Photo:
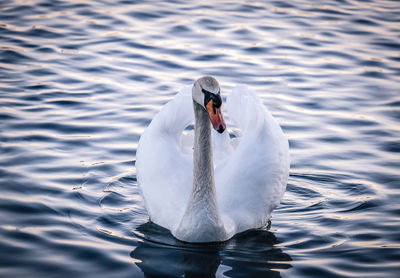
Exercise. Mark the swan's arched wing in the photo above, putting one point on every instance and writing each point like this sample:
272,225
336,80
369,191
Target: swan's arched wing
164,173
251,181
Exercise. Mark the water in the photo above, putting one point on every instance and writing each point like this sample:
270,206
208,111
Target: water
80,81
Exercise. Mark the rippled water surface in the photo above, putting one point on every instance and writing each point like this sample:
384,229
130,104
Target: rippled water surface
80,81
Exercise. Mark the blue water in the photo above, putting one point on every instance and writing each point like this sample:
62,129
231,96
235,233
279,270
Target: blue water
80,81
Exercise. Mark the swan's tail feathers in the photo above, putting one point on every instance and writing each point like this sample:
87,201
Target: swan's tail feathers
176,114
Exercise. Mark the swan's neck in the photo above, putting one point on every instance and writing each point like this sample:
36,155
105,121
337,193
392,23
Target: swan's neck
202,221
203,166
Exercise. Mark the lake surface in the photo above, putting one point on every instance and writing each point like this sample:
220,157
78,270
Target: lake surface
81,80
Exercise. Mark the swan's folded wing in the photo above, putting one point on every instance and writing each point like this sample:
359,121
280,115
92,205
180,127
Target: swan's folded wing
251,182
164,173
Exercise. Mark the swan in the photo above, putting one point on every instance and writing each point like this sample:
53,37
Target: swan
214,187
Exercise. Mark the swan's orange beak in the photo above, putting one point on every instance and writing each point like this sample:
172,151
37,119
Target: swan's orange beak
216,116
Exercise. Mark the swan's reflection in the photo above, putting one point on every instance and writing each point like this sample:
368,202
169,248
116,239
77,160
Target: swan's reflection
250,254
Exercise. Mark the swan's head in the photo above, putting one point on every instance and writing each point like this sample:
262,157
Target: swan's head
206,92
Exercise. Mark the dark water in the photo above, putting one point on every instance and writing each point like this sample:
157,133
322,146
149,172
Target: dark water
80,80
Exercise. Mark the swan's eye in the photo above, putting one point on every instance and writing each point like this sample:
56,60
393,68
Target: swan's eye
217,101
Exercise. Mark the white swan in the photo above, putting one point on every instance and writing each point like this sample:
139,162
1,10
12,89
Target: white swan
201,198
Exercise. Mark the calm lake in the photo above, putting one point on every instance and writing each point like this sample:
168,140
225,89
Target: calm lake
81,80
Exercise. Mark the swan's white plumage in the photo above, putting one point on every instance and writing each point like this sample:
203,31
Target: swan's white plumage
250,178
